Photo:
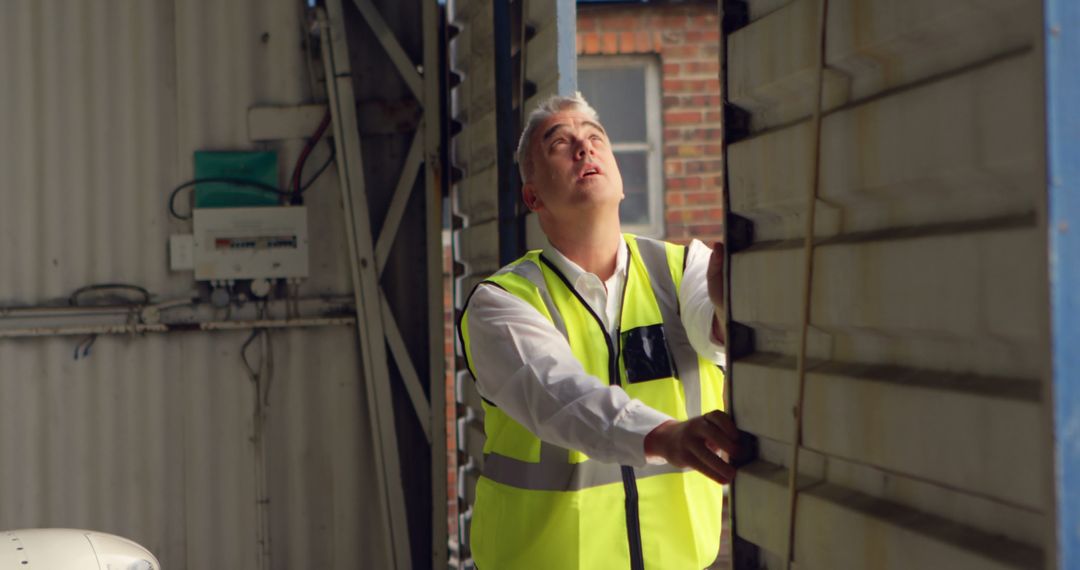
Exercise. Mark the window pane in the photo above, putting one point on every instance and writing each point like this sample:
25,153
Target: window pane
618,95
634,167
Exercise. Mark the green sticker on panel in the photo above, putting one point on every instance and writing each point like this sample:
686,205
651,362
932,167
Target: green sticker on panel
257,166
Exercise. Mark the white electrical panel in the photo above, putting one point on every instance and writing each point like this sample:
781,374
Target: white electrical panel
250,243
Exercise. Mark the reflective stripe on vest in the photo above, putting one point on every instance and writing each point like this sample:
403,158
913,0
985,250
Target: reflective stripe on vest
532,272
654,256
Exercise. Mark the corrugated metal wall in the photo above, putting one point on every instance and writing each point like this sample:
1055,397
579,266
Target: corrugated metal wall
550,68
101,107
150,438
925,438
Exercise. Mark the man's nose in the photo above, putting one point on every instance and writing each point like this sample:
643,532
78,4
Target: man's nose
584,149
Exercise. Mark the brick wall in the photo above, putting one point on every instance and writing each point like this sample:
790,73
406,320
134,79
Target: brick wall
686,38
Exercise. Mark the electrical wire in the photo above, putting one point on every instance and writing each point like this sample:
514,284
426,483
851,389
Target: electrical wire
83,348
319,172
221,180
296,185
298,170
251,184
261,377
73,300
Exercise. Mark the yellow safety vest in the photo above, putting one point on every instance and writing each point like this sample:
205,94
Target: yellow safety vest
540,506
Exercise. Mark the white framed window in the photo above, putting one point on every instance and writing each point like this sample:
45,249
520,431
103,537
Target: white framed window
625,91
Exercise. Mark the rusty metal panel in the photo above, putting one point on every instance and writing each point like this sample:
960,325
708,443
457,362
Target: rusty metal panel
926,343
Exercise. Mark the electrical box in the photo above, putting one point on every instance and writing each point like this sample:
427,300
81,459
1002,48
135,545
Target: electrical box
250,243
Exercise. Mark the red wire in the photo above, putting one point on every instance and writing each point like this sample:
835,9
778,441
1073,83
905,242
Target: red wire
310,146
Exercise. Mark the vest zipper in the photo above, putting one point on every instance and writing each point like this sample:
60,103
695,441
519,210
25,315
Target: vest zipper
633,519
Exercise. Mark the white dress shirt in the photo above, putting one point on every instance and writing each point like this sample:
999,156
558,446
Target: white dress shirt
527,368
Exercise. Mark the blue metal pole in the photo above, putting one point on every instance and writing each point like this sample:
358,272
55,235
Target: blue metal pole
1062,34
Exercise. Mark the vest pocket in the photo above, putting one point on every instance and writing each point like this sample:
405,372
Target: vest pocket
645,354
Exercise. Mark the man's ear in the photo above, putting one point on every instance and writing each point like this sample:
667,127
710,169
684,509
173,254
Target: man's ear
530,197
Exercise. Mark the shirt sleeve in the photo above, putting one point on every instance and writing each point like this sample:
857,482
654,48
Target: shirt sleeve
526,368
696,307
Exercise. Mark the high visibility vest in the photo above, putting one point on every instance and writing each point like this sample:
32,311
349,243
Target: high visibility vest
544,507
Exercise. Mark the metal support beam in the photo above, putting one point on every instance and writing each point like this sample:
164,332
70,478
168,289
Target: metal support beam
409,376
366,289
400,352
434,96
511,224
1062,38
401,198
397,54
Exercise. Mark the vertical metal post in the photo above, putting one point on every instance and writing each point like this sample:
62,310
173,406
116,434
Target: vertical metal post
369,322
511,224
566,22
433,182
510,120
1062,41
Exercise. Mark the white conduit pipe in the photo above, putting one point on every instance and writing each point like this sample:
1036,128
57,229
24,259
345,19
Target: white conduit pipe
142,328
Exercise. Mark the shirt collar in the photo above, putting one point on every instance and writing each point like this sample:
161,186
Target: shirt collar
573,272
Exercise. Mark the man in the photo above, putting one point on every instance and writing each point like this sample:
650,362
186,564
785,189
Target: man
597,361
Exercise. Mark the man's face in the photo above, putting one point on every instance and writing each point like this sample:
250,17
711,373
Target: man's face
573,167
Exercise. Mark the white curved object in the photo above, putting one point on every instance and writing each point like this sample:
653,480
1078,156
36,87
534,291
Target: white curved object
71,549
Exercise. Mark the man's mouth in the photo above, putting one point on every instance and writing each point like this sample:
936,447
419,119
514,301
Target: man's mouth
590,170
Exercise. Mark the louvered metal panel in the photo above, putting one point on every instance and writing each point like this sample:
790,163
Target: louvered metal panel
923,437
475,200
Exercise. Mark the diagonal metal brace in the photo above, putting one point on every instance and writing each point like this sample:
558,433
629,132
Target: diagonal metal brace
365,287
401,198
393,48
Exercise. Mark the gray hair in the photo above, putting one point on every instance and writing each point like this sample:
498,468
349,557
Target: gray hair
544,111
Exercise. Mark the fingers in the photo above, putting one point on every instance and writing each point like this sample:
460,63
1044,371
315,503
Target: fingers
724,422
710,465
695,443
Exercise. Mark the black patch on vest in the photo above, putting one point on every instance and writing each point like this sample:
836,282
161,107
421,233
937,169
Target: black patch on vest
645,354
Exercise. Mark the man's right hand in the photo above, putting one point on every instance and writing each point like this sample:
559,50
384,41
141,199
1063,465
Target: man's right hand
696,443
